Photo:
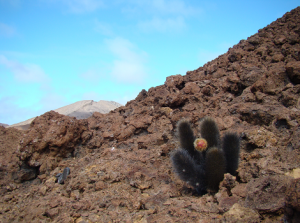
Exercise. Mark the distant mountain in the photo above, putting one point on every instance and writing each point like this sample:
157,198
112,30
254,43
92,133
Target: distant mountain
84,109
4,125
80,110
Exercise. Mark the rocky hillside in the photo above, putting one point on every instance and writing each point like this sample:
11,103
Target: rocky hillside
120,169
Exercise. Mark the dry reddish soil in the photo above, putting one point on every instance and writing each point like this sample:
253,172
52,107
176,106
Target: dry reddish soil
120,161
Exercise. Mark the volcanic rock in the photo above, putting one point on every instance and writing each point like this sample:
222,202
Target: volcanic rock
9,141
120,169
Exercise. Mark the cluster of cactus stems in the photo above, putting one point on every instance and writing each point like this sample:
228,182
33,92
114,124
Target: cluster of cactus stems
202,162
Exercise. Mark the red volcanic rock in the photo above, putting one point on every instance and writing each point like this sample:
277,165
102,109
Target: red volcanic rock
267,194
9,142
293,71
293,194
293,200
120,169
174,82
50,138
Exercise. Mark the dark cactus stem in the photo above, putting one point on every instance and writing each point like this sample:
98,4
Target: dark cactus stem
210,131
187,138
215,166
189,171
231,148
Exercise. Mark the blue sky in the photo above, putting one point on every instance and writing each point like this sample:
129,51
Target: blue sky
56,52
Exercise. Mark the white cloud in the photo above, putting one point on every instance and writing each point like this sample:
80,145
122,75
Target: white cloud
6,30
79,6
27,99
167,15
91,75
24,73
128,71
10,113
103,28
162,25
123,49
173,6
161,7
129,66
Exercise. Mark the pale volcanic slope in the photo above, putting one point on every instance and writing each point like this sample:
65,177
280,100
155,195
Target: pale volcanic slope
80,109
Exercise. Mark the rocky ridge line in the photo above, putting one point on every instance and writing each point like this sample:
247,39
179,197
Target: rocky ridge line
80,110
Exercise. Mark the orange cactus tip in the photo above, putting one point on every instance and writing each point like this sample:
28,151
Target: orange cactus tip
200,144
